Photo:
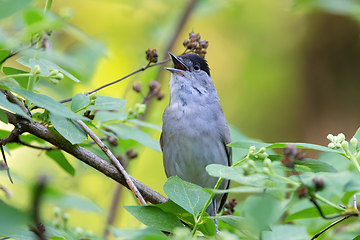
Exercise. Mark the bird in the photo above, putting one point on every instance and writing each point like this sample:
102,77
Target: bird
195,132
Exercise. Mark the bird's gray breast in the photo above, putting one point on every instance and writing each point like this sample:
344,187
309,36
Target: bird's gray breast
191,141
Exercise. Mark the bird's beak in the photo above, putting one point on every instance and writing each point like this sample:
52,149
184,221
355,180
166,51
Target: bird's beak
178,65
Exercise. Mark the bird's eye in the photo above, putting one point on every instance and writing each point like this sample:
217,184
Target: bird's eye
196,67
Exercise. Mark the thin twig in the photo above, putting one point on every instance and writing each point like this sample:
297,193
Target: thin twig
330,226
120,79
19,140
113,159
31,45
313,200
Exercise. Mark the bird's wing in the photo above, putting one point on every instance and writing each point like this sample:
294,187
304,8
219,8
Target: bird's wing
161,141
229,156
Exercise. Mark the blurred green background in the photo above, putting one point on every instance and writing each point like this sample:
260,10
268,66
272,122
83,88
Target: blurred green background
285,71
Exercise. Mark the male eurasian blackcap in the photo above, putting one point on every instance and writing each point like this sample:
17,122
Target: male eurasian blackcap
195,132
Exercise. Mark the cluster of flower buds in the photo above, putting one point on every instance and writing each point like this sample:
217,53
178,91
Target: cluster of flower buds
152,55
230,205
196,44
291,155
55,76
155,89
302,191
340,142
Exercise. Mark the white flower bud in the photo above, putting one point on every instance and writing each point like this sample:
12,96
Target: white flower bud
345,145
262,150
36,69
354,142
340,137
337,145
59,76
331,145
252,164
252,149
262,155
266,171
268,163
54,72
330,137
93,96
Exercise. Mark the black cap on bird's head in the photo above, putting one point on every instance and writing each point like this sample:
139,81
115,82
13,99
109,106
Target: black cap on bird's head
188,62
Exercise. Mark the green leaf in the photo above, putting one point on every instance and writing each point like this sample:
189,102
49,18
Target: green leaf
263,210
52,65
155,217
108,103
24,61
235,174
305,165
60,159
135,234
9,7
286,232
248,189
11,217
312,212
126,132
3,55
31,16
145,124
79,101
3,117
72,201
189,196
106,116
241,223
258,145
18,233
357,237
46,102
207,227
23,81
346,197
12,107
70,130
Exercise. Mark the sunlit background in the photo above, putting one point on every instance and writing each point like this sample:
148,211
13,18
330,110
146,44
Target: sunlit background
284,72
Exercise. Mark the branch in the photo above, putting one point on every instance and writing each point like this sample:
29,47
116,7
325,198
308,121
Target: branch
83,155
330,226
120,79
113,159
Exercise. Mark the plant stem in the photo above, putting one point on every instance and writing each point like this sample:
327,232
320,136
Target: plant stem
355,162
21,75
293,183
198,220
320,198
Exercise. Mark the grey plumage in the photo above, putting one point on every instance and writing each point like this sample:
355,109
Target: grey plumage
195,131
